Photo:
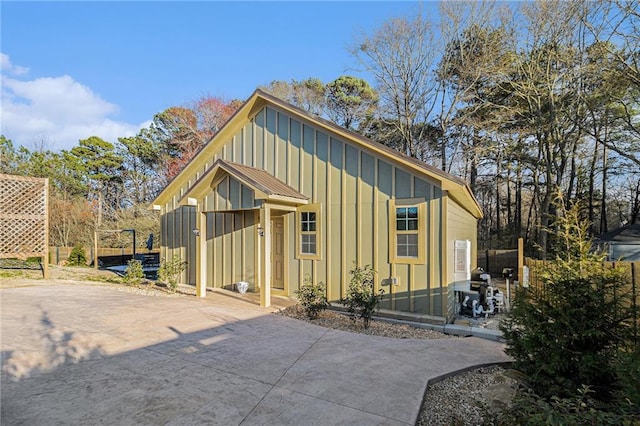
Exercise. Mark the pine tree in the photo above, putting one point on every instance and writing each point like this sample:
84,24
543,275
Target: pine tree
573,327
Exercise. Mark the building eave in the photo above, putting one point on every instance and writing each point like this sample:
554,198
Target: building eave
458,189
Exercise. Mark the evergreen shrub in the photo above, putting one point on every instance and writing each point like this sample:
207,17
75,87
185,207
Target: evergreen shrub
570,331
77,257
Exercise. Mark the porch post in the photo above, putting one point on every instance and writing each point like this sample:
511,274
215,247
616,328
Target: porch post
201,253
265,256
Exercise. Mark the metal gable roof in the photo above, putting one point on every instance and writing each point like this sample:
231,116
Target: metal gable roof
260,181
457,188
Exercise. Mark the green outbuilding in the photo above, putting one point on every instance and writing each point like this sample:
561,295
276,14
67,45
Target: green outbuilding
279,196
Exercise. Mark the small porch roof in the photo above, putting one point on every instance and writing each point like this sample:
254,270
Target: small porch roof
264,185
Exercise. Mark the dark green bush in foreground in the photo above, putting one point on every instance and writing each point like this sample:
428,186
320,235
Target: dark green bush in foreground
573,338
528,408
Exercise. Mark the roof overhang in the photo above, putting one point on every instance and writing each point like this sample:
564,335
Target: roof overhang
457,188
264,186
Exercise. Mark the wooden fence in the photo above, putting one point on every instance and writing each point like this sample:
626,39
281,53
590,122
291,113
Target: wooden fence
59,255
494,261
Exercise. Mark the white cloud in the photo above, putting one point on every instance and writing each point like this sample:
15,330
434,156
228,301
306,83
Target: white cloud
7,67
57,110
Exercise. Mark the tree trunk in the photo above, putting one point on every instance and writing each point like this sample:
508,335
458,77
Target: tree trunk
473,172
518,214
635,205
498,170
603,208
509,210
592,172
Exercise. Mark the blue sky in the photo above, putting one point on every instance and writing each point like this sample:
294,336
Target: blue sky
71,70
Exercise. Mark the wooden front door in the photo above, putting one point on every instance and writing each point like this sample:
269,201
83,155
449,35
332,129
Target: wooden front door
277,253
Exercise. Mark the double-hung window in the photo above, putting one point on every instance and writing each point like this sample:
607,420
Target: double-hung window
309,231
407,231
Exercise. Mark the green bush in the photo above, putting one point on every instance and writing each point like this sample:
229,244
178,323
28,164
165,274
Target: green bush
571,330
312,297
628,385
133,274
527,408
170,271
362,301
77,257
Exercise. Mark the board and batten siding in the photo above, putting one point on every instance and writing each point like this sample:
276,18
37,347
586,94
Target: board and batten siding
353,187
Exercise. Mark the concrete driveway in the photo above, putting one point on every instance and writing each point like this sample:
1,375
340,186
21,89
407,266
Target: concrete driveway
74,354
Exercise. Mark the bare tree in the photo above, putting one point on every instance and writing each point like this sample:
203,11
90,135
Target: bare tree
401,55
473,55
614,26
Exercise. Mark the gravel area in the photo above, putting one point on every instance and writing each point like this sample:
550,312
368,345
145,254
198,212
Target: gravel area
460,399
150,289
88,276
340,321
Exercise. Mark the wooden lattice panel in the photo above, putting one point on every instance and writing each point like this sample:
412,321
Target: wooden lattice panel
23,217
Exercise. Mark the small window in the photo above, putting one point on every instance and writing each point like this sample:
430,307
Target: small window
309,231
308,221
407,245
407,218
406,236
308,242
